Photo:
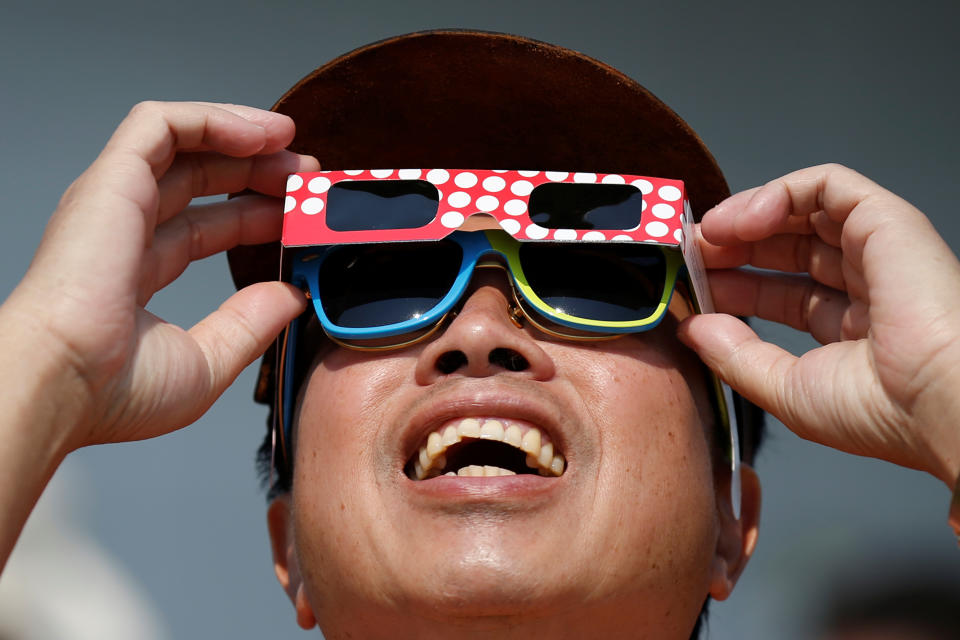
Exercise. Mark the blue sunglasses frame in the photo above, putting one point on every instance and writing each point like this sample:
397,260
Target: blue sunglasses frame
476,247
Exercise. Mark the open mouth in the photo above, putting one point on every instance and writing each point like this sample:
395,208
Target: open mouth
485,447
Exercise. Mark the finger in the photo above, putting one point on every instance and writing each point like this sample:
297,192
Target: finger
719,224
759,213
754,368
279,130
243,327
202,174
118,196
829,231
203,230
716,225
155,131
797,302
788,252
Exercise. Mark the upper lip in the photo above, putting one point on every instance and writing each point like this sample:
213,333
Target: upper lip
474,399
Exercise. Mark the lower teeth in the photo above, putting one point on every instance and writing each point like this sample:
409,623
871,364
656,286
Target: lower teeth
477,471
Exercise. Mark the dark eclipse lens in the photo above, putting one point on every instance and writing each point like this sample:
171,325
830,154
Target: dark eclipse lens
365,205
612,282
586,206
381,284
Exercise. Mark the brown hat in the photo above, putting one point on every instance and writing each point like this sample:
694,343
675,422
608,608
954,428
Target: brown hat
468,99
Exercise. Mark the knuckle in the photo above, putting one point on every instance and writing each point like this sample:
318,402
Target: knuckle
834,167
146,108
194,238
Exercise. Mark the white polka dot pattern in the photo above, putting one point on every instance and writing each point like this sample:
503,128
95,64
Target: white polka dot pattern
494,184
656,229
437,176
294,182
451,219
502,194
459,199
536,232
312,206
465,180
521,188
664,211
669,193
487,203
511,226
515,207
319,184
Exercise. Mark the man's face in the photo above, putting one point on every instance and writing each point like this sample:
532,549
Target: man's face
626,540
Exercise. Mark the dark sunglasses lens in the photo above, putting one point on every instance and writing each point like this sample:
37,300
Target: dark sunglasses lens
376,285
612,282
365,205
586,206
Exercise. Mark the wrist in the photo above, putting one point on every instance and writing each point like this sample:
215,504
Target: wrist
39,408
44,393
936,426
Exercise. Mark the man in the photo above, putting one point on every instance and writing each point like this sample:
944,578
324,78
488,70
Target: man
638,526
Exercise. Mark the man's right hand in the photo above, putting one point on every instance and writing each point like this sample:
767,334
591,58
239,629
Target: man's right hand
84,361
122,232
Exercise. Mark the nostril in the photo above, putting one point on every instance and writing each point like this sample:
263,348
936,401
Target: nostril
450,361
508,359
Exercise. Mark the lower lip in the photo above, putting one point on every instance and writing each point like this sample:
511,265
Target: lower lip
460,488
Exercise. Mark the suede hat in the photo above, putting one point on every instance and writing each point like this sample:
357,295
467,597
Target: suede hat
468,99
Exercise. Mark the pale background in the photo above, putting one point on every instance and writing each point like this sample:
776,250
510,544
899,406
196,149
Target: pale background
770,87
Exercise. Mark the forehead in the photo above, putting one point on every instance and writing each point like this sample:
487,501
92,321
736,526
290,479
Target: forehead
450,196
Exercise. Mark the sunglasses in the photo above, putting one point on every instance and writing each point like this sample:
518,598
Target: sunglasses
386,255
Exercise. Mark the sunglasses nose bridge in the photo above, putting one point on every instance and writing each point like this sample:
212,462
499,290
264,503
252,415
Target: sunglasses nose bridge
487,260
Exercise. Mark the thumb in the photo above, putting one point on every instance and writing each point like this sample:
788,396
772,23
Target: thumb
752,367
243,327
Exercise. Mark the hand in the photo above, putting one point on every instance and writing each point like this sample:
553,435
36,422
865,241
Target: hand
122,232
880,289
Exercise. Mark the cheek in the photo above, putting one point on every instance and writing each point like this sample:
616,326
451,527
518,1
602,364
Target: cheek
334,486
655,506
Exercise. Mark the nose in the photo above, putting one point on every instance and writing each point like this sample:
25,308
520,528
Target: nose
483,339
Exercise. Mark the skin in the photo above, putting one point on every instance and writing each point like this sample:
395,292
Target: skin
880,290
379,552
85,364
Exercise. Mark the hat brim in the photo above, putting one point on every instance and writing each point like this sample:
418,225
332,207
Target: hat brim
469,99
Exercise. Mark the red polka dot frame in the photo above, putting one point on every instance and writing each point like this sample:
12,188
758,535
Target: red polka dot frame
504,195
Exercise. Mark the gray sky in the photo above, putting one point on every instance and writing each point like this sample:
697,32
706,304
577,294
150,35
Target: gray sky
769,87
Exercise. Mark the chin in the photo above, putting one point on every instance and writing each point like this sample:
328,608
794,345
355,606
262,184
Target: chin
487,602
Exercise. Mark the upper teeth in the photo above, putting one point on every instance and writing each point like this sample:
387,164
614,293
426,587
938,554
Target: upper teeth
540,456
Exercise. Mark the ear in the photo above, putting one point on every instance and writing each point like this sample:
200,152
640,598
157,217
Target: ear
737,538
285,563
